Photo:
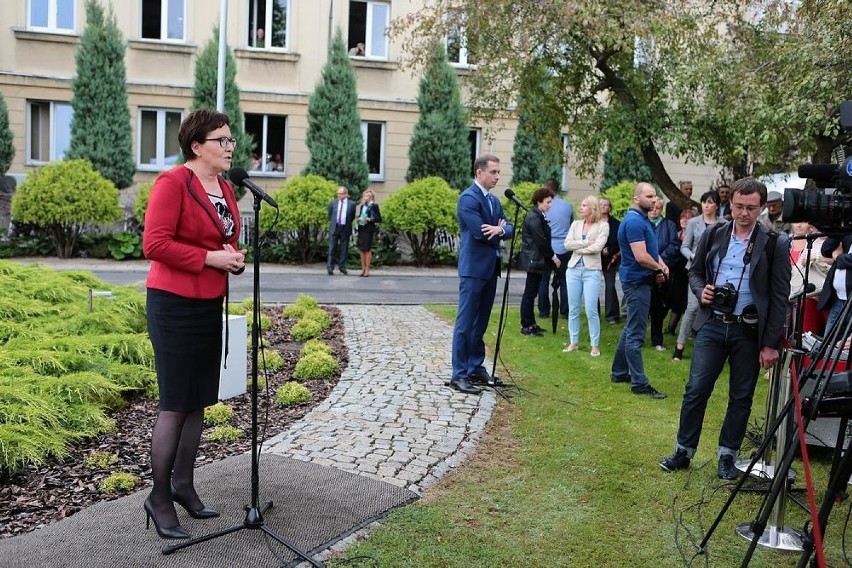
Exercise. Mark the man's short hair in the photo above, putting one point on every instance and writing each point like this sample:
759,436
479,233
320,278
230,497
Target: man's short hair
481,162
684,182
749,185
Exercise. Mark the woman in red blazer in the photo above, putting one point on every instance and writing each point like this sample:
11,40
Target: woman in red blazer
191,229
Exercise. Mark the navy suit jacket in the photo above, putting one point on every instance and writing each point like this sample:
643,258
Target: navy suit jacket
478,254
346,229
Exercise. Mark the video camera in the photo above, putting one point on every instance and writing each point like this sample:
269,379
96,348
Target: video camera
829,212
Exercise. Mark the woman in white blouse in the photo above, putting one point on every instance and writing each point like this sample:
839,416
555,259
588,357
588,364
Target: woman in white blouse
586,238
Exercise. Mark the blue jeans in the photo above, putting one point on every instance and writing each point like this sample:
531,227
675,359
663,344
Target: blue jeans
716,343
584,285
834,313
627,363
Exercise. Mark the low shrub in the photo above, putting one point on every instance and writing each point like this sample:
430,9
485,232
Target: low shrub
292,393
306,329
219,413
272,360
294,311
315,366
307,301
316,346
119,482
261,383
318,315
100,460
224,433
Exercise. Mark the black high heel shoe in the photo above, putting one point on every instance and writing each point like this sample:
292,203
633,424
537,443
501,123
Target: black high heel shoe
202,513
175,532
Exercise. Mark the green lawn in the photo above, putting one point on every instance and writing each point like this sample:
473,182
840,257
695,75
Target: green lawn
567,475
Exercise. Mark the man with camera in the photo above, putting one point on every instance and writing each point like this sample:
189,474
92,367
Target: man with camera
741,276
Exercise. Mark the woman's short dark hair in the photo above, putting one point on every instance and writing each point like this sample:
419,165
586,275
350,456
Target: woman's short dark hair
541,194
195,128
711,195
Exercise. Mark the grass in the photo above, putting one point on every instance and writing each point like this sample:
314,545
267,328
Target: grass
567,475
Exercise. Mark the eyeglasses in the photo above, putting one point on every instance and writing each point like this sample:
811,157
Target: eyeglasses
752,209
223,141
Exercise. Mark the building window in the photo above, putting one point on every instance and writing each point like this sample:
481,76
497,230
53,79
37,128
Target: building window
457,48
368,24
48,130
269,133
158,138
267,27
564,182
52,15
164,19
374,148
474,138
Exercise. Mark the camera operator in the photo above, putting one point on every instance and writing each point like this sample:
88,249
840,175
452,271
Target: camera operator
741,275
838,281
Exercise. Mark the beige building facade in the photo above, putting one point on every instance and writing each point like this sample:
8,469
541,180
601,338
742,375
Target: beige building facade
280,47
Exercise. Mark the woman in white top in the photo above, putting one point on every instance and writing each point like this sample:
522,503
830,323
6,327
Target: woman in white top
586,238
695,227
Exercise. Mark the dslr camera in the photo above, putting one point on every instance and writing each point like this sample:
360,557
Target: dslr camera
725,298
830,208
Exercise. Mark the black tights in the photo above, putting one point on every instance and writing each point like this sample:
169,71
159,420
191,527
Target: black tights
174,445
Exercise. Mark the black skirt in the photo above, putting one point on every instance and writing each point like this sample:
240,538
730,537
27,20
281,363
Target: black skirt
365,237
186,334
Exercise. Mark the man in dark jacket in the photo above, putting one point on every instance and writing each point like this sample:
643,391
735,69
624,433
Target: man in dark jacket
744,326
341,213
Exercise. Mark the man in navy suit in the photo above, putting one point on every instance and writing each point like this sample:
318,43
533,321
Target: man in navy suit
482,226
341,214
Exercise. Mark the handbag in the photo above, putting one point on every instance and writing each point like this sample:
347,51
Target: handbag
816,276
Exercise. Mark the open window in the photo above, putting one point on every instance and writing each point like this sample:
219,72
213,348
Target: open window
368,25
267,24
164,19
269,132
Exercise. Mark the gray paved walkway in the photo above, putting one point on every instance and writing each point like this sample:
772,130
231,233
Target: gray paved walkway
390,416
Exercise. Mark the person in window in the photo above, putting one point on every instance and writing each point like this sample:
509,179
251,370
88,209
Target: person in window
192,226
255,162
358,50
368,217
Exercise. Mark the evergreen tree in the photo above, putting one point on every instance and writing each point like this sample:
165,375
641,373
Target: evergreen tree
532,161
7,147
334,137
622,165
100,127
204,96
439,145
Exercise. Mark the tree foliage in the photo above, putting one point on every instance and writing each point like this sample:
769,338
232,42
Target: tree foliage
100,126
418,211
621,165
7,146
532,161
523,191
697,81
204,96
439,144
65,198
620,197
304,211
334,136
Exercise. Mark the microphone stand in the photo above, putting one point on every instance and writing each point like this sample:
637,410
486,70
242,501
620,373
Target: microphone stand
494,382
254,516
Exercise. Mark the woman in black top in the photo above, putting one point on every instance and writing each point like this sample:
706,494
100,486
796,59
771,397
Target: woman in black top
368,216
537,256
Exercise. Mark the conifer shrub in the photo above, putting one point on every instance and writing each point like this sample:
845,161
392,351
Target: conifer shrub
219,413
272,360
306,329
119,482
224,433
316,346
292,393
315,365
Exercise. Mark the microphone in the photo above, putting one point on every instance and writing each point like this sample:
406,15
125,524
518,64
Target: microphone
818,172
240,177
510,195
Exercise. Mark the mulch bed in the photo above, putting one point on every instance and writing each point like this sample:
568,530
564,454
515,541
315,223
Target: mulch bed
38,495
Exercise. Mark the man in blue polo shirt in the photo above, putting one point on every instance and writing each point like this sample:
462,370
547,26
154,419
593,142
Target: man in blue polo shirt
641,268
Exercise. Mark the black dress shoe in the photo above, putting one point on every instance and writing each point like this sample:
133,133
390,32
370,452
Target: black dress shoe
175,532
727,469
480,378
330,271
343,270
202,513
463,385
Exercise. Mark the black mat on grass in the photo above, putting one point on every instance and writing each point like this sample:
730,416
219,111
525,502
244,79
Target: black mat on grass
314,507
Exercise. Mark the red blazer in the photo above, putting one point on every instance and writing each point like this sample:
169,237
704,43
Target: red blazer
181,225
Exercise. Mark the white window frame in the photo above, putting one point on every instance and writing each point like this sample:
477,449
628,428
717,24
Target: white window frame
477,150
52,129
262,143
371,50
52,12
459,34
160,147
380,175
267,30
164,21
564,184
